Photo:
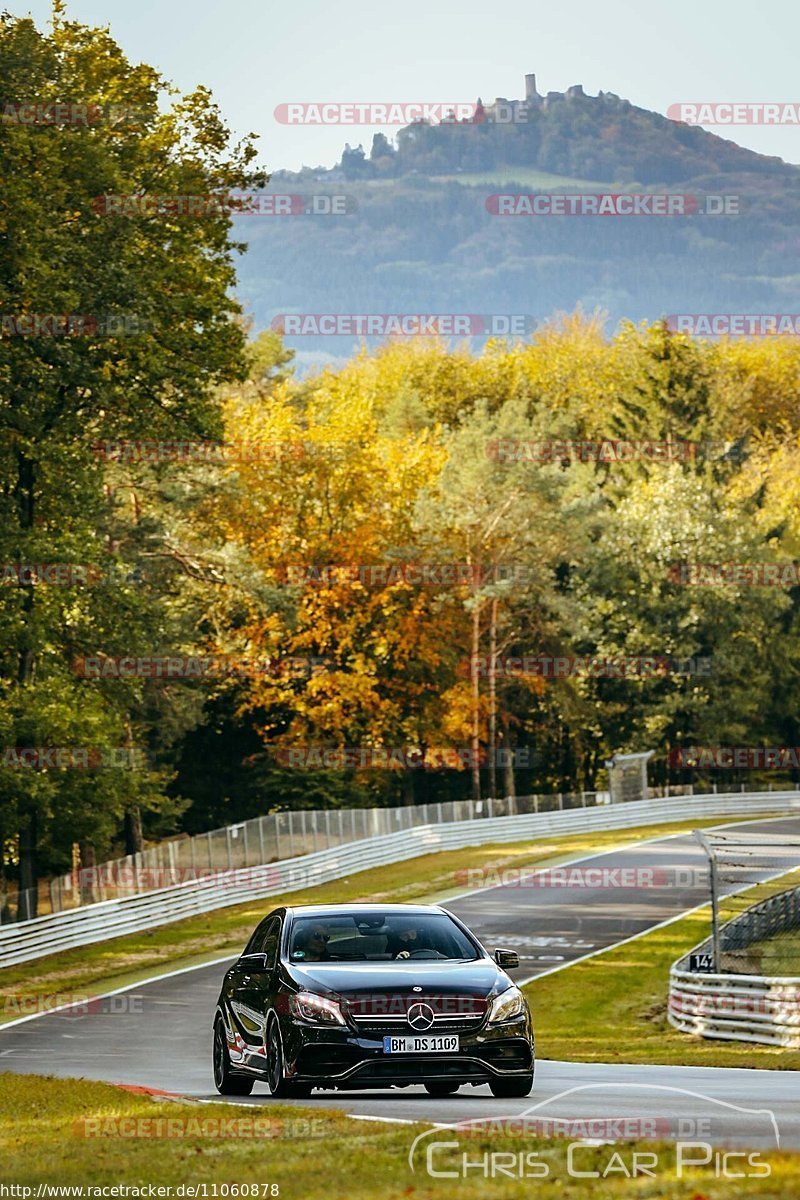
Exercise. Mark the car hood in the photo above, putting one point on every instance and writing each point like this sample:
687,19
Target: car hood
479,978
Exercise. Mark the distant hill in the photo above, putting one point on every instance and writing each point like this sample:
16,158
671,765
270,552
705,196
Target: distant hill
601,138
423,237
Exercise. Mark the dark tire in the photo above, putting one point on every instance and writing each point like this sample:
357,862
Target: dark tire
226,1083
508,1088
440,1090
279,1087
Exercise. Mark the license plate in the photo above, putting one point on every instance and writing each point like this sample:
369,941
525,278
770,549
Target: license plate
423,1044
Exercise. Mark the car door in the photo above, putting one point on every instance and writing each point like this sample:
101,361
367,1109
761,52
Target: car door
253,984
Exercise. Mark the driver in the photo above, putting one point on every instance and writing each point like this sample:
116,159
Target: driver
405,939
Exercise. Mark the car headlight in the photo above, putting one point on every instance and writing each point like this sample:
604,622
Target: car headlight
319,1010
506,1006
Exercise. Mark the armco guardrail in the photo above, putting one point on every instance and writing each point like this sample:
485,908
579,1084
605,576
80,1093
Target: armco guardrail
270,838
113,918
741,1008
732,1005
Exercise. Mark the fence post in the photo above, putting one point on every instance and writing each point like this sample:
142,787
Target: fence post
712,862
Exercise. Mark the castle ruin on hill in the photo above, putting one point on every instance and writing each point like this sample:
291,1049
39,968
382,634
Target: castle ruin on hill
508,111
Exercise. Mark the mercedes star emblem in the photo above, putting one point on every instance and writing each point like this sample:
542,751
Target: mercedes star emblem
420,1016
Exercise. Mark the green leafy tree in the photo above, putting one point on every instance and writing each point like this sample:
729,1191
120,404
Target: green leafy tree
151,333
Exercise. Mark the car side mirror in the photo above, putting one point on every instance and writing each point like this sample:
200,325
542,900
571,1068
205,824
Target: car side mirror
506,958
254,962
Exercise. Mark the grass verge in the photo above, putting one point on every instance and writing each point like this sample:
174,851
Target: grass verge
612,1008
778,955
127,960
136,1141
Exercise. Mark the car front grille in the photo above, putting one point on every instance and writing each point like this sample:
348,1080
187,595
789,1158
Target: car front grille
442,1023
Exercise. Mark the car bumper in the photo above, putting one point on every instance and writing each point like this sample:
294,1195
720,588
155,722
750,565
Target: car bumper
341,1058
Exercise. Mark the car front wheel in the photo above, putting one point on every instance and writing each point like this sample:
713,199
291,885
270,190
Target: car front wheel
515,1086
279,1087
226,1083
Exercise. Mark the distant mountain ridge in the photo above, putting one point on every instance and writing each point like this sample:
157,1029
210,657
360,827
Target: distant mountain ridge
421,234
601,137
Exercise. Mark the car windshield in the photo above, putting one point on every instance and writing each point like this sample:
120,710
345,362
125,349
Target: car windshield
379,937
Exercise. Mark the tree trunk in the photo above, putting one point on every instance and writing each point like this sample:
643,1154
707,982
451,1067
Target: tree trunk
88,872
28,834
5,912
133,830
133,816
28,906
509,779
493,699
408,786
475,746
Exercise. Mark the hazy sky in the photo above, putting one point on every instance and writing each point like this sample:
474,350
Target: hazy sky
256,54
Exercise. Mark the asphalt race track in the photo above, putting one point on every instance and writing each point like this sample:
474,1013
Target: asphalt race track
158,1035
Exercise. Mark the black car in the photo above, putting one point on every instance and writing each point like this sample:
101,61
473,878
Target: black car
370,996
